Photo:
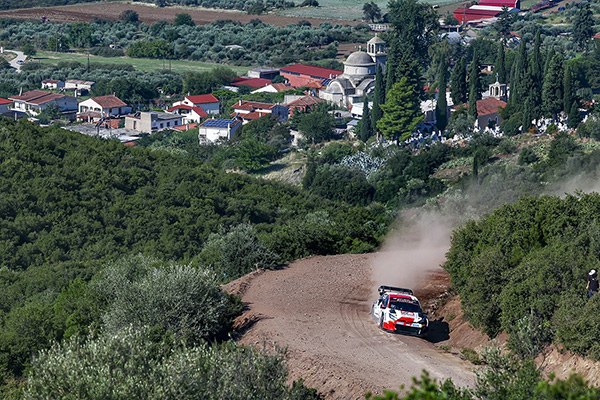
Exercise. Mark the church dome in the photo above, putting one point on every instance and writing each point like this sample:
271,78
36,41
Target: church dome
359,58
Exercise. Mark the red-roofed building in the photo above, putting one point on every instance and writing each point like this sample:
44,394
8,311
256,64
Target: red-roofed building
5,106
186,127
34,101
253,83
487,111
274,88
190,114
299,75
303,104
250,110
208,102
95,108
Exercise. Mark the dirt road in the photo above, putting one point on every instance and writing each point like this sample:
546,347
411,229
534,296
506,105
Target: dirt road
318,308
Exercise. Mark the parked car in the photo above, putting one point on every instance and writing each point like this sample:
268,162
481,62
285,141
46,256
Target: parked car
20,62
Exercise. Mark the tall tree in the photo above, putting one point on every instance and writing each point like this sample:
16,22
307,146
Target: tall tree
458,82
401,112
415,24
474,85
500,65
574,116
503,24
441,106
536,79
568,97
371,11
378,98
583,25
552,94
365,123
520,76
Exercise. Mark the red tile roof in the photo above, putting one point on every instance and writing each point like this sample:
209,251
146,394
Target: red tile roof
305,101
186,127
179,107
252,105
485,106
37,97
251,115
110,101
4,101
281,87
202,99
252,82
50,81
316,72
200,111
596,36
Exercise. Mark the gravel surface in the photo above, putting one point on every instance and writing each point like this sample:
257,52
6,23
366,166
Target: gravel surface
318,309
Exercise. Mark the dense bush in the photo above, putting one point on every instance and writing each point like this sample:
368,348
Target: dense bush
73,204
529,260
129,364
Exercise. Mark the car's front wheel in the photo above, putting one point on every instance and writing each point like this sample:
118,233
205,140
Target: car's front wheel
381,321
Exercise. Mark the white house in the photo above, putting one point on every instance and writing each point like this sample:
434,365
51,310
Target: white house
102,106
52,84
190,114
150,122
74,84
208,102
34,101
251,110
213,129
4,106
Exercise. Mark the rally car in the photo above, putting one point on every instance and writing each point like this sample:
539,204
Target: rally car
398,310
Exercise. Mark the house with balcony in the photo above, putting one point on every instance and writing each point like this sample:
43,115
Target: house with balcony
35,101
95,108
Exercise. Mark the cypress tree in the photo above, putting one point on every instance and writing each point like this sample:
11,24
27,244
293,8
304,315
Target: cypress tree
583,25
474,85
390,70
441,106
500,66
458,82
378,98
552,92
568,97
574,116
535,80
365,123
520,81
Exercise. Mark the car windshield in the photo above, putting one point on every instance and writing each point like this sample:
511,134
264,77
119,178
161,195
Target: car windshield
404,306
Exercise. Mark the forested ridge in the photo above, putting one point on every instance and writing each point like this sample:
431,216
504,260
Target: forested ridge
72,205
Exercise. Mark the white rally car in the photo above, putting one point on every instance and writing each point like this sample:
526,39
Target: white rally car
398,310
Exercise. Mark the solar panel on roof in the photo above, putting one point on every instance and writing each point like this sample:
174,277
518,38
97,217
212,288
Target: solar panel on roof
218,123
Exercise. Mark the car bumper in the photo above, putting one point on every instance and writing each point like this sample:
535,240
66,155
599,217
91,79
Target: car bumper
410,329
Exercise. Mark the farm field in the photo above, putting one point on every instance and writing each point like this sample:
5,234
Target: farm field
150,14
347,9
141,64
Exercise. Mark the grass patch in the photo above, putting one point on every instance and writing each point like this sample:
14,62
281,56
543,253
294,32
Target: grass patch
451,317
141,64
446,348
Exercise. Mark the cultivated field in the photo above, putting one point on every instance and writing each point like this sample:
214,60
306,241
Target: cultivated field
150,14
347,9
141,64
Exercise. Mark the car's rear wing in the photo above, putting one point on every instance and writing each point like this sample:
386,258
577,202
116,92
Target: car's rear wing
384,289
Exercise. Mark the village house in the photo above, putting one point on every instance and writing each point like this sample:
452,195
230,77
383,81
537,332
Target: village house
208,102
5,106
301,103
74,84
34,101
251,110
299,75
274,88
212,130
488,108
95,108
252,83
263,72
52,84
190,114
151,122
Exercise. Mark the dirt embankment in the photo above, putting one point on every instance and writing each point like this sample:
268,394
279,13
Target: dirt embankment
150,14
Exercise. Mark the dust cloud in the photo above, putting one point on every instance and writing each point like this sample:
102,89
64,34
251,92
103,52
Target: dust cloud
421,237
416,248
